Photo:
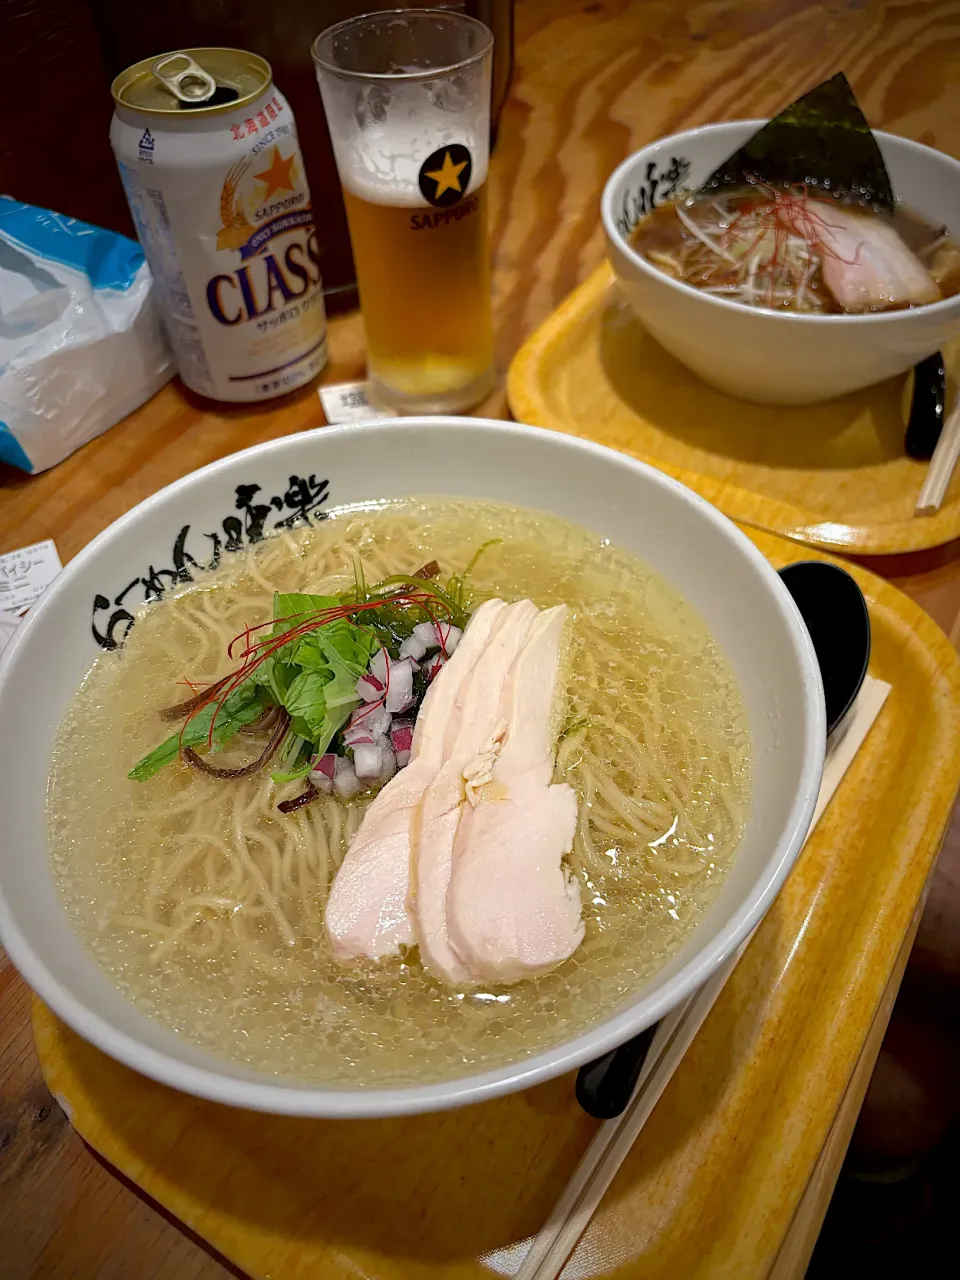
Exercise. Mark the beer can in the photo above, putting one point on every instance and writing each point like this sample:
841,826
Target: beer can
209,158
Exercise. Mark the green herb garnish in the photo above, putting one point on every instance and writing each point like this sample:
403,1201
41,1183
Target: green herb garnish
307,663
457,586
242,707
313,677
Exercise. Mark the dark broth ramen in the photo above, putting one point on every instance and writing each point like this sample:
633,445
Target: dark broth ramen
782,248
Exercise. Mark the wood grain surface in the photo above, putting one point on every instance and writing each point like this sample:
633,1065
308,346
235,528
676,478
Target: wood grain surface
593,81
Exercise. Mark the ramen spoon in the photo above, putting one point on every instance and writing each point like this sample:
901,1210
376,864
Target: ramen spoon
835,614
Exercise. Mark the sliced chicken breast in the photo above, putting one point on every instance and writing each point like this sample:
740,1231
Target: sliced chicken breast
367,913
473,732
513,909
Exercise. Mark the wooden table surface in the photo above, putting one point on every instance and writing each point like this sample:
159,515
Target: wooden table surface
593,81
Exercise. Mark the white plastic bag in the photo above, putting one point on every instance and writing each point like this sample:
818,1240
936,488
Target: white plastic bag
80,339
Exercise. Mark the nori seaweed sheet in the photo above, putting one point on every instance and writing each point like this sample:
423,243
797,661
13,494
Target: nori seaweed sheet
821,140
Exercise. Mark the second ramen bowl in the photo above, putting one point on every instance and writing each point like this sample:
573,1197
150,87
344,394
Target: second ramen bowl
774,357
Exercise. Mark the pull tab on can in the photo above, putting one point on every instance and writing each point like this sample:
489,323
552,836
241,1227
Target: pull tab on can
184,78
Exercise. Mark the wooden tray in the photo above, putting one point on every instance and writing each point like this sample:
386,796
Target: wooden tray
712,1185
834,475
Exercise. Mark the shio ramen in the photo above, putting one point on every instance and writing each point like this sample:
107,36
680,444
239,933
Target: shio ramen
420,789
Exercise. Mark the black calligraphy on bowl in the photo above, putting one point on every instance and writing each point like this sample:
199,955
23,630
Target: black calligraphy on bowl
658,186
254,518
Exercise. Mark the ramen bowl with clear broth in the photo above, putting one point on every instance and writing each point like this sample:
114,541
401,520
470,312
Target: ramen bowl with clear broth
184,922
765,355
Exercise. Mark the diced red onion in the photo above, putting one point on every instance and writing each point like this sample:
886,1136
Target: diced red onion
345,781
401,736
367,760
372,718
432,668
326,765
437,635
413,647
369,687
403,759
378,666
426,633
388,764
357,737
400,690
321,775
449,637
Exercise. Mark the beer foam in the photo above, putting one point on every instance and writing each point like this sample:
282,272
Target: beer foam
387,169
381,139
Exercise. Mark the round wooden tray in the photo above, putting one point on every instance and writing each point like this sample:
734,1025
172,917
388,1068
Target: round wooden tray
831,475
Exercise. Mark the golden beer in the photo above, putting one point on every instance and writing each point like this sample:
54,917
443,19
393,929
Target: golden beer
424,280
407,98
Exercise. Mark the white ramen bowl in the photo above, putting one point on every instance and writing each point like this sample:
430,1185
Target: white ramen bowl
774,357
682,537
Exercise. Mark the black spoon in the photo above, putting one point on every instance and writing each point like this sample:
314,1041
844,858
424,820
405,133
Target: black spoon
927,407
835,613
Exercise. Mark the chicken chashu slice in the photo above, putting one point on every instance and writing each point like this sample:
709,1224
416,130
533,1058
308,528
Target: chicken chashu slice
864,261
367,913
513,908
473,724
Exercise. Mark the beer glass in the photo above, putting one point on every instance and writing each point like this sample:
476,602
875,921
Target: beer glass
407,97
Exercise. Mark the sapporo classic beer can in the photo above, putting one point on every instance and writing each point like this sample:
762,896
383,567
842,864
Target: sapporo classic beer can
209,159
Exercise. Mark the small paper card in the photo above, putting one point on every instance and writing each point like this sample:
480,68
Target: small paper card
349,402
25,575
